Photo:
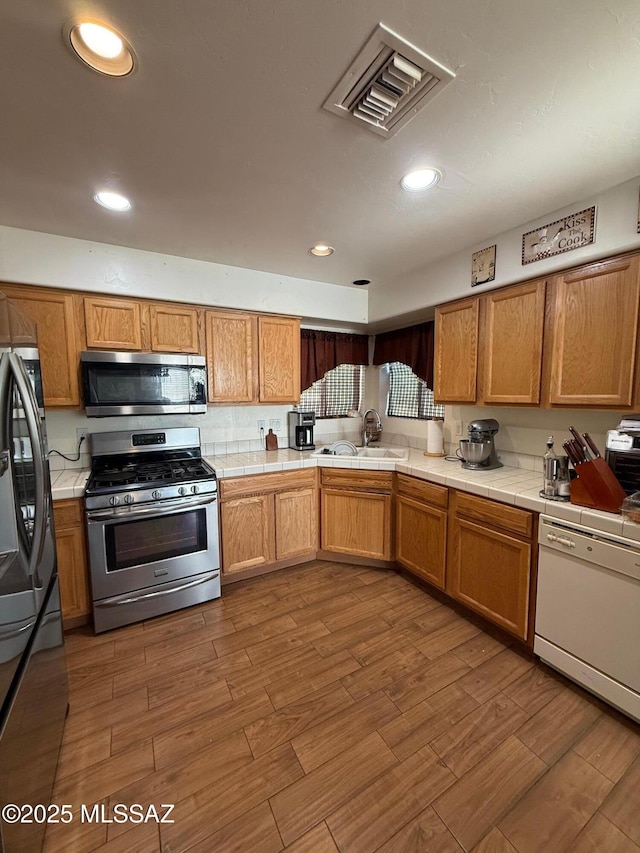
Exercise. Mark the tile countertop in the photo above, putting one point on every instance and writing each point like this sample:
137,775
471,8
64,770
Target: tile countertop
517,486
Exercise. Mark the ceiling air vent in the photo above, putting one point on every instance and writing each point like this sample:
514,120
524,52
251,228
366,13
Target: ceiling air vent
387,83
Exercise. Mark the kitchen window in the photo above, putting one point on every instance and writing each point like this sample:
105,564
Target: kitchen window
336,394
410,396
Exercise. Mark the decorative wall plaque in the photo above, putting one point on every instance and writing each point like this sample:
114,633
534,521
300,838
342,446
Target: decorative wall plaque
483,266
563,235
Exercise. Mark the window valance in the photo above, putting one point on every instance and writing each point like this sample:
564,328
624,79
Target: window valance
412,346
322,351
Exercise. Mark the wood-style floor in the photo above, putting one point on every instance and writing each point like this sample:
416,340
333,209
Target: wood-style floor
333,707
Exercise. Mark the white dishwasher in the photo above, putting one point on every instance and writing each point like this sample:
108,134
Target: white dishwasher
588,610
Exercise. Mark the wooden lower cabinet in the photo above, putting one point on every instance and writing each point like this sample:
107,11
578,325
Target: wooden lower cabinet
247,533
268,518
357,523
489,569
421,528
296,521
421,539
73,570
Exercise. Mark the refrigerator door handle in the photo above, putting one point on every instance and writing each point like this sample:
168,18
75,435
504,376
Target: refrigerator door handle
4,461
41,513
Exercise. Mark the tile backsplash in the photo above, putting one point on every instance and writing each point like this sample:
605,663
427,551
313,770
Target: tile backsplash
521,441
223,429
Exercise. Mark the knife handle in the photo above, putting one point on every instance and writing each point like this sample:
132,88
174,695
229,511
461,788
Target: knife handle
592,445
580,444
571,453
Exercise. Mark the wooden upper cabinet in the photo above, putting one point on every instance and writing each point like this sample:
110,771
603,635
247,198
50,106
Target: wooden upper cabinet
512,332
594,320
456,352
58,340
279,359
173,328
112,323
230,356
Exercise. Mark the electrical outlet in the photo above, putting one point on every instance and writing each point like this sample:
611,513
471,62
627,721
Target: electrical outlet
261,425
275,424
80,434
458,427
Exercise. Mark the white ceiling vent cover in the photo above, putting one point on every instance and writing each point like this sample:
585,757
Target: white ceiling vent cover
387,83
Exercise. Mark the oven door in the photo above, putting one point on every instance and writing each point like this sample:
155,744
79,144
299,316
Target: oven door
136,548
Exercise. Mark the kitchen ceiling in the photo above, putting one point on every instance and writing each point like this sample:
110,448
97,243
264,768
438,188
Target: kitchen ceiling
221,143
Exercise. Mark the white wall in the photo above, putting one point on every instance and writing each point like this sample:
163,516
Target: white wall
450,278
31,257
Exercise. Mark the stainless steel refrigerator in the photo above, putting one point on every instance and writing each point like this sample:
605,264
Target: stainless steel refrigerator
33,680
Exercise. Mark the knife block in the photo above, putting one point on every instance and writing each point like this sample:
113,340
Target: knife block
597,487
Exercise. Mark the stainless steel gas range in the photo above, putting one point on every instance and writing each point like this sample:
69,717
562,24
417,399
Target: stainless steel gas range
152,522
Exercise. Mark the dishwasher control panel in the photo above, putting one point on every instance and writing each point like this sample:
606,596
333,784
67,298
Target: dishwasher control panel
615,552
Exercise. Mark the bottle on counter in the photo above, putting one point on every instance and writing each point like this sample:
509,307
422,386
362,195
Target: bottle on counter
550,470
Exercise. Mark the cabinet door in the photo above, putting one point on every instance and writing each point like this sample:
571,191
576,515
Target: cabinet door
421,537
230,357
247,533
296,523
173,329
72,562
489,572
456,352
112,323
58,341
279,359
356,523
595,312
512,343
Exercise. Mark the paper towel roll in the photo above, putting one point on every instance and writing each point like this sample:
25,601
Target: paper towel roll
435,437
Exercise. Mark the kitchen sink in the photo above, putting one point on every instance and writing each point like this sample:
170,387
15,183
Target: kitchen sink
366,453
383,453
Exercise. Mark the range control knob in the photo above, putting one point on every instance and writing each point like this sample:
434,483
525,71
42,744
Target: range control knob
194,490
114,501
182,490
156,494
128,499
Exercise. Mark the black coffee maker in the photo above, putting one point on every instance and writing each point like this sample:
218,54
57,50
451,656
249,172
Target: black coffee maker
301,430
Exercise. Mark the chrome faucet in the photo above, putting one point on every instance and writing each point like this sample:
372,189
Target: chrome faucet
371,427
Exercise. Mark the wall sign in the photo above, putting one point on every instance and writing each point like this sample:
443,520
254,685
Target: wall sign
483,266
563,235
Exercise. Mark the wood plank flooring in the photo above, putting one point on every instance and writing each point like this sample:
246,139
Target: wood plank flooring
334,708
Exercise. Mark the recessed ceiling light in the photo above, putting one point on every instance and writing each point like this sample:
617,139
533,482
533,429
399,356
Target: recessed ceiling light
422,179
101,47
113,201
361,281
321,250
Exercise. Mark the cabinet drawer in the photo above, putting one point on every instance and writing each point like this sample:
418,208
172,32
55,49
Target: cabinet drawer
237,487
496,514
423,491
67,513
352,478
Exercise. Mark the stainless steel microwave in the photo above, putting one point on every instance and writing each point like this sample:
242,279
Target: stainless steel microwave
132,383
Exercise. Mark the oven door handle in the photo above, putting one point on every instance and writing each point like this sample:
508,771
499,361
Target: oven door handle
99,515
118,600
